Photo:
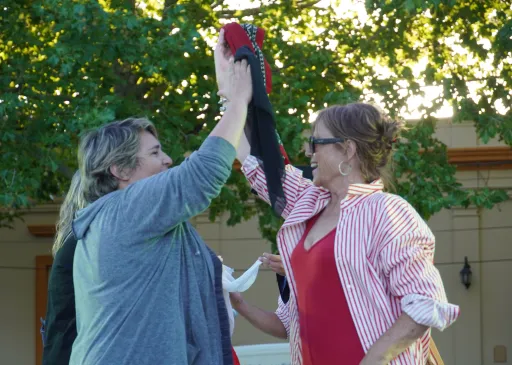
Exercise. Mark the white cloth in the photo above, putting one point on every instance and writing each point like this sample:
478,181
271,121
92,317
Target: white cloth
231,285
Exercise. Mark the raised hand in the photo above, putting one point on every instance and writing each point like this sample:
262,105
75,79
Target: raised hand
221,55
236,85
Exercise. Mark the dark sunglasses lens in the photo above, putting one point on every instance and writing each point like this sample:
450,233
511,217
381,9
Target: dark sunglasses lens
311,145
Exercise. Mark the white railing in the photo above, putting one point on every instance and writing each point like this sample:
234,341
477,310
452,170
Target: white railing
265,354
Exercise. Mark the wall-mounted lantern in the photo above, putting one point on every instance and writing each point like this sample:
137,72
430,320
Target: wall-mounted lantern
466,274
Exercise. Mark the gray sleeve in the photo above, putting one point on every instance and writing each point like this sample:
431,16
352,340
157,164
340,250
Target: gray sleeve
157,204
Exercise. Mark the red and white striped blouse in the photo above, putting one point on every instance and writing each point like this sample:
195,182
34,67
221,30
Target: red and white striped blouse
384,255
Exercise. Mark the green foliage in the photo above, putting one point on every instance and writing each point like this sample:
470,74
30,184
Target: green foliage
67,66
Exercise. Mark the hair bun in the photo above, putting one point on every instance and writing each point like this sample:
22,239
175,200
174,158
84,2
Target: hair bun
372,131
390,130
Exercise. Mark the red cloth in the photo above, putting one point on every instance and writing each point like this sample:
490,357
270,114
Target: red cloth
285,155
327,330
235,358
236,37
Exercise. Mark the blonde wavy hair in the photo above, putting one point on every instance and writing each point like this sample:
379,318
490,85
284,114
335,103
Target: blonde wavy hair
114,144
73,202
373,132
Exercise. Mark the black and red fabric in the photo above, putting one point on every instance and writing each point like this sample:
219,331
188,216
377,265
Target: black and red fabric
283,151
261,133
245,42
236,361
239,35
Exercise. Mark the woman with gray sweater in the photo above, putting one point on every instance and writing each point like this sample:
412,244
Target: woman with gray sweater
146,287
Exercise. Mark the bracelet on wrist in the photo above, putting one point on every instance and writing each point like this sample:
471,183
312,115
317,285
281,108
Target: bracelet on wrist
223,101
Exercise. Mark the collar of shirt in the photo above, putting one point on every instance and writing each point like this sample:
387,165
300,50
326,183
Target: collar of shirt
361,189
357,192
321,198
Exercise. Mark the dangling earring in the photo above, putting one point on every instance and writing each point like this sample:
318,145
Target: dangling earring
348,170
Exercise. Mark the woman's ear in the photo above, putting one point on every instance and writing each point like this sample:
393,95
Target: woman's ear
119,174
350,149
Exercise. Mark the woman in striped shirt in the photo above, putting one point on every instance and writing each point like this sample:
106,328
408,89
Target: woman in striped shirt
359,261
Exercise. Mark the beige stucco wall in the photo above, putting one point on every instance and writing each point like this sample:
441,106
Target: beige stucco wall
484,236
486,317
239,246
18,250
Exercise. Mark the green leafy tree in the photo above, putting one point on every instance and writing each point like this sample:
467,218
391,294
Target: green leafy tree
67,66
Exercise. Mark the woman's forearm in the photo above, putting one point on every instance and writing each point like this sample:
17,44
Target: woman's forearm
265,321
244,149
404,332
231,125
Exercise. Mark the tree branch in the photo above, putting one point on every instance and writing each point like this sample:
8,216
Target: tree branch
226,13
167,5
125,4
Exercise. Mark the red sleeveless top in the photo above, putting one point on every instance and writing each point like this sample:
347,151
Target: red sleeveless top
327,331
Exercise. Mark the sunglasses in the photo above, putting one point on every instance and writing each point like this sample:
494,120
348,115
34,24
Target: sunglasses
314,141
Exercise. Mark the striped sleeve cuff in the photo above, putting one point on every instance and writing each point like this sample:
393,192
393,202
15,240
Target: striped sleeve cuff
249,165
293,185
430,312
256,177
283,314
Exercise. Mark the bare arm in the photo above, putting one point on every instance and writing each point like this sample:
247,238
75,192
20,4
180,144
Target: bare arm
265,321
232,123
244,149
394,341
235,85
237,89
